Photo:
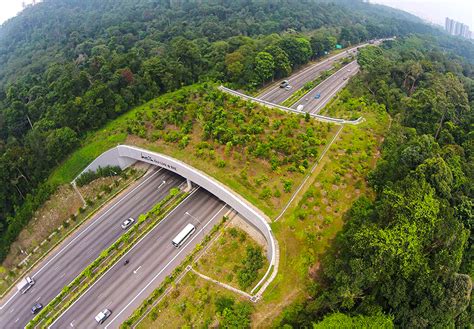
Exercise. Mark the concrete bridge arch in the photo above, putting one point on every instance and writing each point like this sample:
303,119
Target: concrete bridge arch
124,156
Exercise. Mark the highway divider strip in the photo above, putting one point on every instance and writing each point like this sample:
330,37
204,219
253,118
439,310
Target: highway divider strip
300,93
73,229
86,278
137,315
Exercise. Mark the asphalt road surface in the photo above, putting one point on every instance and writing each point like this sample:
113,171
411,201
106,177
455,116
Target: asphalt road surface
278,95
85,245
327,89
123,288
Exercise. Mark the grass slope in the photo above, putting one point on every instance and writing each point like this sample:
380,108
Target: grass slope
260,153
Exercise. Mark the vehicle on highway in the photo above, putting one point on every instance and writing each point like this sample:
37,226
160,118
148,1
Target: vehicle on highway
348,70
126,262
300,107
127,223
317,96
288,87
36,308
102,316
345,78
284,83
25,284
183,235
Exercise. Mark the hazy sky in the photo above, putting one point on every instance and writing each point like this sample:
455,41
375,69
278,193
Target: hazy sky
9,8
432,10
436,10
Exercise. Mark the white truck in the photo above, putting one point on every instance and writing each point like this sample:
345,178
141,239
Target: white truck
25,284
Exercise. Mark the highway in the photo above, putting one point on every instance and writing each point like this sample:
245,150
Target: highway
85,245
277,95
327,89
124,287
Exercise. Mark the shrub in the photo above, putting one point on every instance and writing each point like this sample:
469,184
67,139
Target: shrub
220,163
287,185
233,232
223,302
253,261
90,175
266,193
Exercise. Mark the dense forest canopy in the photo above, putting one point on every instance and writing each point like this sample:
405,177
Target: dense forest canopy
409,252
69,66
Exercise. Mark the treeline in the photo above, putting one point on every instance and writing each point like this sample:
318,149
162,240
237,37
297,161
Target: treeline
408,253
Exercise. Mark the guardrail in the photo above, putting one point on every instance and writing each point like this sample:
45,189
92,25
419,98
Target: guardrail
288,109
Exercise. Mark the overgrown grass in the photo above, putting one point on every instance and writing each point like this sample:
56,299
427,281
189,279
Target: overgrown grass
225,257
191,304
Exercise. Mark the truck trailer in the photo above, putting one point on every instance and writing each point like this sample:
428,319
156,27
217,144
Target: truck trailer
25,284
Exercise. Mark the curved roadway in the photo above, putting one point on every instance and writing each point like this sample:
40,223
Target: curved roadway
277,95
327,89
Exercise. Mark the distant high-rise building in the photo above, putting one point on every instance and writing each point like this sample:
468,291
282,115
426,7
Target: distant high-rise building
449,25
457,28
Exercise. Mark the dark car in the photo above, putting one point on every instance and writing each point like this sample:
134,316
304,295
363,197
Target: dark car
36,308
284,83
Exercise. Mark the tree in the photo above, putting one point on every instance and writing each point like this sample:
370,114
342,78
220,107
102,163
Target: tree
298,49
264,66
281,60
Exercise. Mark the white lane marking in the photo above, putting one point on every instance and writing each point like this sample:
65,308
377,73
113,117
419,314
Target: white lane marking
136,244
325,99
92,224
62,275
163,183
11,311
81,233
17,320
164,268
72,323
333,76
135,272
316,65
37,299
108,304
8,301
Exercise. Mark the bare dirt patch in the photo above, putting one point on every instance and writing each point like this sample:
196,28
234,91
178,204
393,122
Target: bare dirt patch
49,217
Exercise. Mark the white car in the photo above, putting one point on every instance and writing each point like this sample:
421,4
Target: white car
102,316
288,87
127,223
